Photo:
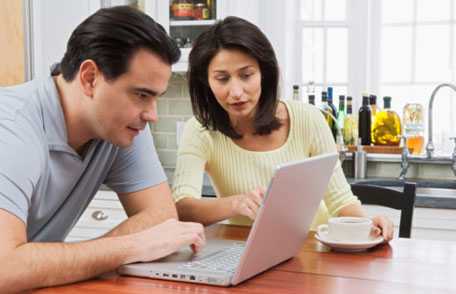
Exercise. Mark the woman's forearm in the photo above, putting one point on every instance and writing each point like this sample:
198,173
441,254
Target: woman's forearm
205,211
354,209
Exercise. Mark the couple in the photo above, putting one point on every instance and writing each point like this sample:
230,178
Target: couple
86,124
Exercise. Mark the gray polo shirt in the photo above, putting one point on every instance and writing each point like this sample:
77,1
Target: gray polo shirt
43,181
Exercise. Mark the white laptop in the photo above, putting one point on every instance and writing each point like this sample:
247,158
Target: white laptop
281,226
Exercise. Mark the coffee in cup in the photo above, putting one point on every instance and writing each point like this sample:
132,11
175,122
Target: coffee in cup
347,229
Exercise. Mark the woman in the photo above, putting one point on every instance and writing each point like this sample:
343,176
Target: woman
241,131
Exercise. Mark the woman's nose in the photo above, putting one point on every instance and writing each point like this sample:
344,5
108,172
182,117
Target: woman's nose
236,90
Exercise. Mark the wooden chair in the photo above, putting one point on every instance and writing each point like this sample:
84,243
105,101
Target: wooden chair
403,201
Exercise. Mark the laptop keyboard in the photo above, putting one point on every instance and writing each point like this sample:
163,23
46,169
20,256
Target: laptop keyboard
224,260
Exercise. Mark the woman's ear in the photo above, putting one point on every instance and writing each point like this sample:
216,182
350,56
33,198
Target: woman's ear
88,74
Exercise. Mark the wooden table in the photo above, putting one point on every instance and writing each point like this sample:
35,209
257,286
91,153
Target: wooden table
403,266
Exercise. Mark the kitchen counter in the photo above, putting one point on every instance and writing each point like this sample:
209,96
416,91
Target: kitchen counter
429,193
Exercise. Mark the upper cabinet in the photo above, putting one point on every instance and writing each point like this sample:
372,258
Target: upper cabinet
184,20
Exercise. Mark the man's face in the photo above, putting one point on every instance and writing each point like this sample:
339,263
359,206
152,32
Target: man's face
123,107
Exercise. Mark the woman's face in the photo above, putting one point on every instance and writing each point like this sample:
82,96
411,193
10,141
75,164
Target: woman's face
235,79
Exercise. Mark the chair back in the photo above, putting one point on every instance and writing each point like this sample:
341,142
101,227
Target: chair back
403,201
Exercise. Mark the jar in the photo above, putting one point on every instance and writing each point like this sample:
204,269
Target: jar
182,9
200,11
413,122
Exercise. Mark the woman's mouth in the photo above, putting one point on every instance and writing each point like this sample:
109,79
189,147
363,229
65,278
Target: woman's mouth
239,105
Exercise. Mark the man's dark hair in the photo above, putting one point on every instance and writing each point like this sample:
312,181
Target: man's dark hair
110,37
233,33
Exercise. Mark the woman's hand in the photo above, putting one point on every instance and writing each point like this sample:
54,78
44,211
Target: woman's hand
383,226
248,204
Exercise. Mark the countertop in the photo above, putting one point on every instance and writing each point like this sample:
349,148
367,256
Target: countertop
441,195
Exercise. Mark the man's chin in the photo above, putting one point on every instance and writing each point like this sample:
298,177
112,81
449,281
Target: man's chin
122,143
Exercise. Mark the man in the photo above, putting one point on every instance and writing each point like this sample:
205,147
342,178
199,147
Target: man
61,137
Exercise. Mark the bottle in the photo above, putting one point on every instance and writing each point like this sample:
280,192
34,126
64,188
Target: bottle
350,130
386,129
414,127
374,109
359,162
341,111
296,95
373,104
311,93
364,122
200,10
333,112
312,99
327,111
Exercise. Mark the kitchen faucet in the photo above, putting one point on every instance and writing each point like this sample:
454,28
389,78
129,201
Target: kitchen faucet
430,146
430,157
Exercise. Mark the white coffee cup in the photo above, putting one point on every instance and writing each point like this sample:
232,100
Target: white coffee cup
347,229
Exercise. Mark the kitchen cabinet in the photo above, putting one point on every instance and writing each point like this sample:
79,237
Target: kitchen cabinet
184,29
102,215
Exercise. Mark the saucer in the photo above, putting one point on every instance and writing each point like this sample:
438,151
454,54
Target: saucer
348,246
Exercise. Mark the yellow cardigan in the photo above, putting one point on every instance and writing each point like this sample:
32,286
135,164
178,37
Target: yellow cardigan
234,170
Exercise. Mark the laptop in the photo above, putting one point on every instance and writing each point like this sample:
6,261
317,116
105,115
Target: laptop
281,226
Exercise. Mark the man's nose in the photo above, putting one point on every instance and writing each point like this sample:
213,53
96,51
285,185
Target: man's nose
151,115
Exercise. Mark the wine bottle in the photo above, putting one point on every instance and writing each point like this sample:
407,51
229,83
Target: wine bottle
364,122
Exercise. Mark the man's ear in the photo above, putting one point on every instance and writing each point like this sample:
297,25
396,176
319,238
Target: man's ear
88,75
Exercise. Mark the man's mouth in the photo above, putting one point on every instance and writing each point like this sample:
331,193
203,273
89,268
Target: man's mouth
135,130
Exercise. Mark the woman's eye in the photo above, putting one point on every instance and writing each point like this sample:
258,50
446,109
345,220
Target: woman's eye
222,79
245,76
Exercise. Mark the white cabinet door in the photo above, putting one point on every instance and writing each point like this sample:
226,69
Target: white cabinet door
52,24
102,215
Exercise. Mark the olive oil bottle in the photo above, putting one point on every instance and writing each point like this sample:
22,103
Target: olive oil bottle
350,129
374,109
326,109
387,126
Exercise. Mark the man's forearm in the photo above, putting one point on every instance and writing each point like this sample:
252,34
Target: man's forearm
35,265
142,220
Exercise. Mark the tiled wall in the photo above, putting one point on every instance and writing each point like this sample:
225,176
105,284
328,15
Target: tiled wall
172,107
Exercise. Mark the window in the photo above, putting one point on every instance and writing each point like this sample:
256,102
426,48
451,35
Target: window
324,39
402,49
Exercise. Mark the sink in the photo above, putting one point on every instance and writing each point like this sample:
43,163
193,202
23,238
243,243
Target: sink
429,193
438,184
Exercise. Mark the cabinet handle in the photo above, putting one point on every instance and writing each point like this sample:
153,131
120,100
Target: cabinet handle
99,215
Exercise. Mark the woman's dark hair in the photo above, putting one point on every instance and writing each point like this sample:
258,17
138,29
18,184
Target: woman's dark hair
233,33
110,37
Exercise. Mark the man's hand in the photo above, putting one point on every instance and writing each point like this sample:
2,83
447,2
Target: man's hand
248,204
166,238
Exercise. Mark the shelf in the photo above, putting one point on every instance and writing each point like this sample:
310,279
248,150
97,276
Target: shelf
189,23
181,65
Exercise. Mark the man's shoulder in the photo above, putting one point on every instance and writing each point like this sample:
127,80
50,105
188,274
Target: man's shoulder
18,98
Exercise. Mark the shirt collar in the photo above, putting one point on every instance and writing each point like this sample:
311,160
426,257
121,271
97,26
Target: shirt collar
53,117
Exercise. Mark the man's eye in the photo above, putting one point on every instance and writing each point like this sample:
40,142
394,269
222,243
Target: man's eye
141,95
